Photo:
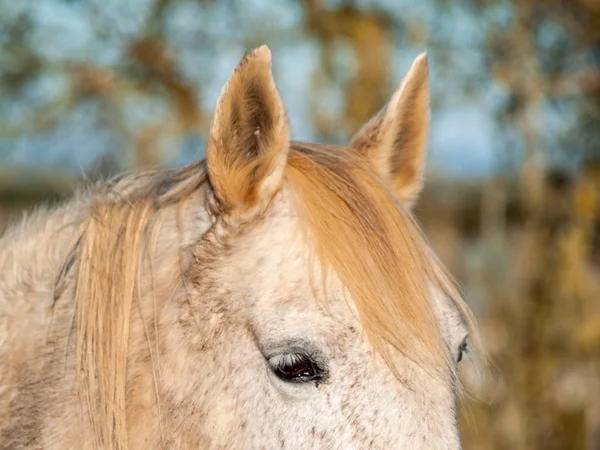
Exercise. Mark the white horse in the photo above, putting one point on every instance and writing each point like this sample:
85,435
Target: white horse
274,295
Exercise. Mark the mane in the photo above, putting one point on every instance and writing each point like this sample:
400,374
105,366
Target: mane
363,233
352,222
121,227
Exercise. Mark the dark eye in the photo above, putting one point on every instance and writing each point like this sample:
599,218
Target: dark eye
462,349
295,368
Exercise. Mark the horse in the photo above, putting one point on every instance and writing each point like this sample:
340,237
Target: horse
275,294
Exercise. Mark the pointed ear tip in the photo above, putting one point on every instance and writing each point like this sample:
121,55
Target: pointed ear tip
421,60
262,52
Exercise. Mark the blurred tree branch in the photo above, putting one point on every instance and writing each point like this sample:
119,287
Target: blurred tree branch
368,34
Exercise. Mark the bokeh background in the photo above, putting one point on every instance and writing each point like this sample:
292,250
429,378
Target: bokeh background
89,88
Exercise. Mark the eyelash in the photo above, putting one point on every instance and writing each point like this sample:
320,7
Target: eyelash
462,349
295,368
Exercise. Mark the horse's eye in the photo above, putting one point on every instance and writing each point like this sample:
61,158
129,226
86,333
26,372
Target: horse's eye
462,349
295,368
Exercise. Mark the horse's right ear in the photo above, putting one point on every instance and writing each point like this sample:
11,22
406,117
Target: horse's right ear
249,138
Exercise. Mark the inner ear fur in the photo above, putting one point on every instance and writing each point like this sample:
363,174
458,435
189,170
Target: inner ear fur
249,138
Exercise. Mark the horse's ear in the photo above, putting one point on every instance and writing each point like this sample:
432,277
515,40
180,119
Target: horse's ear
396,138
249,138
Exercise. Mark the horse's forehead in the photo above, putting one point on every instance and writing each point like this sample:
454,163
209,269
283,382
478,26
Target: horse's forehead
275,259
276,237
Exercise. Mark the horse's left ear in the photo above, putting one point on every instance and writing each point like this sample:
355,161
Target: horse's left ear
396,138
249,138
